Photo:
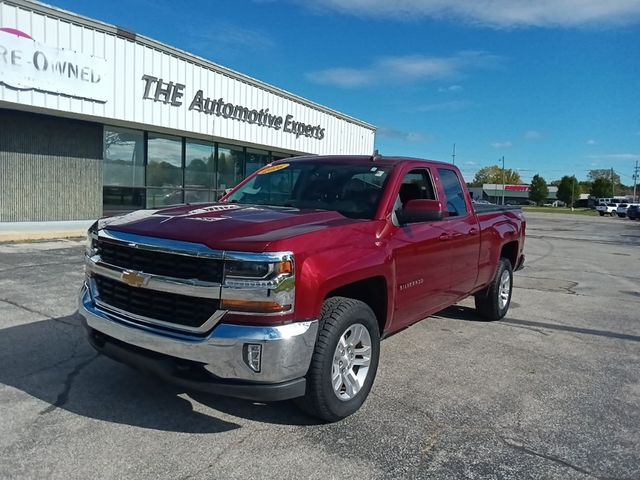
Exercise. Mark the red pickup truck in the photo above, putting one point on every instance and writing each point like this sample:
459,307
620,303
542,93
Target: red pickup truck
285,287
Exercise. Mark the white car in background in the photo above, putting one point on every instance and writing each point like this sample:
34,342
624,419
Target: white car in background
607,209
621,211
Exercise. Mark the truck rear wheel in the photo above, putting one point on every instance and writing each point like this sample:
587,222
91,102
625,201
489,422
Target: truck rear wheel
344,362
493,302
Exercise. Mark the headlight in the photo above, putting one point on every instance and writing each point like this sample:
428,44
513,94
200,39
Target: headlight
245,270
92,237
255,286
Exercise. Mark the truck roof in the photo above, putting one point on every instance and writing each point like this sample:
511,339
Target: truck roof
358,159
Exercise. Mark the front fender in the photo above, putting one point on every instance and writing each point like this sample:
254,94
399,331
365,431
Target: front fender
323,272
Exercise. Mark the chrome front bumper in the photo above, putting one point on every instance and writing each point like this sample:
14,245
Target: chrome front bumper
286,349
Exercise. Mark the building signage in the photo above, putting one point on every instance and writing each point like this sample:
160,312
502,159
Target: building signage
517,188
171,93
28,65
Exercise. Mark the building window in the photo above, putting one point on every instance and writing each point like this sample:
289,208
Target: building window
123,157
230,161
123,170
169,170
256,159
117,200
199,177
278,156
164,170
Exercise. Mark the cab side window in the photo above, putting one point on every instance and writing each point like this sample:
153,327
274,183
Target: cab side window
456,204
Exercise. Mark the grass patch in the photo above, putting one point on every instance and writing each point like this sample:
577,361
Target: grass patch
576,211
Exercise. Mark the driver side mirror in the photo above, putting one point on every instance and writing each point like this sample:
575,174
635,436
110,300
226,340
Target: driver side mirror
420,210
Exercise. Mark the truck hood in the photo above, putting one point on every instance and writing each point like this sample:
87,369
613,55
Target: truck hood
225,226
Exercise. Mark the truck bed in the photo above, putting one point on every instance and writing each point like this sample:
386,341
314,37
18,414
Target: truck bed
484,208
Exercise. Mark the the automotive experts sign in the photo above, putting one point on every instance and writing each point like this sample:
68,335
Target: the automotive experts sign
172,94
28,65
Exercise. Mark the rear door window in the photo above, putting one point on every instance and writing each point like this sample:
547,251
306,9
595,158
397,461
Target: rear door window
456,204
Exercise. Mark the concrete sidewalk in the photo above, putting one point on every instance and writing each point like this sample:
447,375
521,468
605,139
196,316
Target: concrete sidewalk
25,231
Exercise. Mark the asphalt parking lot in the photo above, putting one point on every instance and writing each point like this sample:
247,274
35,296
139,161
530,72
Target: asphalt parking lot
552,391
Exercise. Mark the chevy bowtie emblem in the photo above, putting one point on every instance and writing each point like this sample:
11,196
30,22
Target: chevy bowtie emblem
134,279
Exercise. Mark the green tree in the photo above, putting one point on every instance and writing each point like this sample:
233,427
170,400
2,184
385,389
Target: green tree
538,190
601,188
568,190
585,186
493,174
603,173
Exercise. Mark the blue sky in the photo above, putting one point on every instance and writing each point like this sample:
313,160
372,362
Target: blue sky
553,85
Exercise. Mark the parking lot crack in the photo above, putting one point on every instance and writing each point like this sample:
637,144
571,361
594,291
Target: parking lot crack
36,312
220,454
523,448
63,396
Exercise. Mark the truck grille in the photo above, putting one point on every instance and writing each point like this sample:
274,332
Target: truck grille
168,307
160,263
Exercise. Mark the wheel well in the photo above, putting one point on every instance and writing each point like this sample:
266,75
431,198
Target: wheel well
372,291
510,252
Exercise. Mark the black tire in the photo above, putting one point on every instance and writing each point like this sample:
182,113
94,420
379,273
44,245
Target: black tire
601,214
338,315
488,300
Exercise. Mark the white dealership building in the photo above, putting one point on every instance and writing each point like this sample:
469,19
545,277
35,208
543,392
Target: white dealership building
96,120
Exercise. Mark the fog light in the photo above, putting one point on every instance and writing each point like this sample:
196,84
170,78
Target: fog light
253,356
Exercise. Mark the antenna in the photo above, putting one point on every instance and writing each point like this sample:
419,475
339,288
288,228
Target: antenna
453,155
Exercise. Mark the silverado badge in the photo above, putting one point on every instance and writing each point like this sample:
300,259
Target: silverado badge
134,279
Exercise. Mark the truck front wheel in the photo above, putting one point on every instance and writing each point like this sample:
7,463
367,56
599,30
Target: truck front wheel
344,362
493,302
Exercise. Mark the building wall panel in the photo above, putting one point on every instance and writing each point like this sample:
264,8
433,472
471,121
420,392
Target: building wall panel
50,169
127,61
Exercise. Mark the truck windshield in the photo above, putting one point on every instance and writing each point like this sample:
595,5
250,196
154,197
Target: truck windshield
352,190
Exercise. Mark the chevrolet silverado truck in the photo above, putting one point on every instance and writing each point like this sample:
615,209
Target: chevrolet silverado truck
284,289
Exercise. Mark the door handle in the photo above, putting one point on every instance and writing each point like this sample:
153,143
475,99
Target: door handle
444,237
473,231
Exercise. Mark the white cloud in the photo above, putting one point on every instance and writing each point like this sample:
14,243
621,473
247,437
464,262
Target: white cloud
450,88
532,135
501,145
591,141
394,134
492,13
405,69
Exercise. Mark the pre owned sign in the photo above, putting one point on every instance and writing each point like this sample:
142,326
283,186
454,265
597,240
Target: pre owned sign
28,65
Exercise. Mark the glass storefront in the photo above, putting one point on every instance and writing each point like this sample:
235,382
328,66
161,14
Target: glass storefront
256,159
165,171
174,169
123,170
230,167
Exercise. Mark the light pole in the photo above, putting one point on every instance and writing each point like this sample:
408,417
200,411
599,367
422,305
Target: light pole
573,189
613,188
635,181
503,185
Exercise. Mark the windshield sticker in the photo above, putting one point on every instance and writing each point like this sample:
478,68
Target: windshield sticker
273,168
379,173
373,169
